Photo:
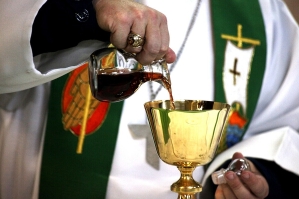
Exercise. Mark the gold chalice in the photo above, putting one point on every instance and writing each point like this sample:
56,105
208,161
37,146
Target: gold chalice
186,137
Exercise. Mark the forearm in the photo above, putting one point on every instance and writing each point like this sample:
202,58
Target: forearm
20,67
61,24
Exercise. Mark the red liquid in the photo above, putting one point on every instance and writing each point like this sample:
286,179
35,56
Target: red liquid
117,85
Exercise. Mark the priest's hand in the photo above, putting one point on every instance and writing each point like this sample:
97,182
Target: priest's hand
249,185
122,17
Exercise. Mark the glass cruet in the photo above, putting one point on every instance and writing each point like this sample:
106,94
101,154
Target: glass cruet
115,75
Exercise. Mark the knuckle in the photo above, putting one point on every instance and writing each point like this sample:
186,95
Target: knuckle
236,185
163,19
138,14
142,59
152,49
122,18
153,14
164,49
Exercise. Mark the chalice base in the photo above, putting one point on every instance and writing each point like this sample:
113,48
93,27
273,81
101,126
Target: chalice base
186,196
186,186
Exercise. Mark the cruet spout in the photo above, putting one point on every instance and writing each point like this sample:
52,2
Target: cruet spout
115,75
160,67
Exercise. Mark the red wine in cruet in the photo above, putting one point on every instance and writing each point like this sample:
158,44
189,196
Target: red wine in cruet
115,85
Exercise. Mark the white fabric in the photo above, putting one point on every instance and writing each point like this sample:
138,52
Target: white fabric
238,91
21,141
22,114
278,103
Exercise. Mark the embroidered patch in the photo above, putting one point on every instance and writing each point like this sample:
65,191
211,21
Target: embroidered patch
74,100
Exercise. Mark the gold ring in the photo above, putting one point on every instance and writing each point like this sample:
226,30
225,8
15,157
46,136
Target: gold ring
135,40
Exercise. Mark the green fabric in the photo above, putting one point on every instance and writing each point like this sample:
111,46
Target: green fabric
226,15
165,121
66,174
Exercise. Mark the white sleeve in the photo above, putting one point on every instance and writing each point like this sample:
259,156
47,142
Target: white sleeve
18,69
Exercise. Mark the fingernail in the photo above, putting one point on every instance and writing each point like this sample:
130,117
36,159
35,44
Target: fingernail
245,175
230,176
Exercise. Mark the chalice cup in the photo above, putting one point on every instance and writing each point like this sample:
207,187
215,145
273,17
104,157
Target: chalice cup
186,136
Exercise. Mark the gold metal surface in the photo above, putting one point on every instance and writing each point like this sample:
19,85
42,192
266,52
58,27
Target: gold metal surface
187,136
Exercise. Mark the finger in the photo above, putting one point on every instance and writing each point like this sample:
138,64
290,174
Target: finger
119,37
152,49
116,18
224,191
256,183
135,43
237,187
237,155
170,56
219,192
164,36
138,29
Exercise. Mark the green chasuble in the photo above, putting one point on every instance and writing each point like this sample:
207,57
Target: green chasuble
240,59
66,174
